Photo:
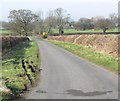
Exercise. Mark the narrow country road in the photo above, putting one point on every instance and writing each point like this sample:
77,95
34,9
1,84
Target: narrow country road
66,76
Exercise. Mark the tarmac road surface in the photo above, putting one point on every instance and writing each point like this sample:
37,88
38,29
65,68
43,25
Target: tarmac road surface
66,76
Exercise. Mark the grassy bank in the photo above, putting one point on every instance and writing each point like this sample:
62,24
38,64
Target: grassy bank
13,73
107,61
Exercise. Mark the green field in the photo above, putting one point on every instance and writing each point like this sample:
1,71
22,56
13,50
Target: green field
12,70
85,31
7,32
107,61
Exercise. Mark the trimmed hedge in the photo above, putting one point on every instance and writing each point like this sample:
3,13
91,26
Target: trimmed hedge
9,42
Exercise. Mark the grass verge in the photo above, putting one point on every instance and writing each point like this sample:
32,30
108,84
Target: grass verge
107,61
12,72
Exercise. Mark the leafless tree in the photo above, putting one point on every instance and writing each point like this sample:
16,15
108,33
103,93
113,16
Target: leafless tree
3,24
21,20
84,23
50,21
103,24
59,14
68,21
39,22
114,20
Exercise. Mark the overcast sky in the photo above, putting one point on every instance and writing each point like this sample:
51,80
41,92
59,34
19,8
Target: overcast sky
77,8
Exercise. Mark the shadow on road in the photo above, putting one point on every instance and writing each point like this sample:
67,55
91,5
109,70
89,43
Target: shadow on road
78,92
81,93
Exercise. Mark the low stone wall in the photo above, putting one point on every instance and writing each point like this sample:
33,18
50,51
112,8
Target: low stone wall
103,43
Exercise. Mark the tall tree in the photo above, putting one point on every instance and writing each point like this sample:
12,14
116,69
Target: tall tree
50,21
114,20
84,23
21,20
68,21
59,14
39,22
103,24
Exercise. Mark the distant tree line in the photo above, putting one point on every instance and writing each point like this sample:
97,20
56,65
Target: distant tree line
24,21
98,22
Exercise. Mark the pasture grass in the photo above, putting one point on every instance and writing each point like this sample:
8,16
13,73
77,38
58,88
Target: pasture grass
107,61
55,30
5,32
83,31
12,66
